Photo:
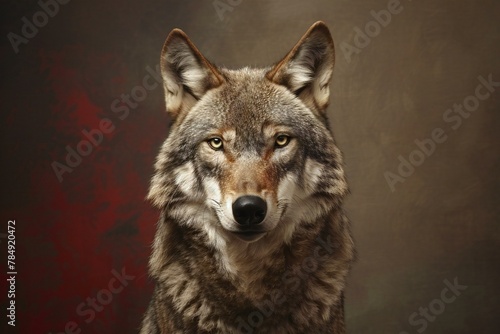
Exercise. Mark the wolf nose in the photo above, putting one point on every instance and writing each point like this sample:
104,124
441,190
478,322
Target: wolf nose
249,210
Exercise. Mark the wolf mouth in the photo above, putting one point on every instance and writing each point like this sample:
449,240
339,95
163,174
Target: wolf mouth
249,235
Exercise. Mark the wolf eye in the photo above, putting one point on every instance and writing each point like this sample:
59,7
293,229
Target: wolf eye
215,143
282,140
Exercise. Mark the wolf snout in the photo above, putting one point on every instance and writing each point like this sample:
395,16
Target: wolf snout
249,210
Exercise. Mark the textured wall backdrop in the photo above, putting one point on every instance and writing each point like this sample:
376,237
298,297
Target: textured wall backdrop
415,108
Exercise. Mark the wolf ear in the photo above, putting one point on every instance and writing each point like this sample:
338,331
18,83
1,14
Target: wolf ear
187,75
307,69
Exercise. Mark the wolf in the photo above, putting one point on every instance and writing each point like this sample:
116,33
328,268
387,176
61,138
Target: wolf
252,237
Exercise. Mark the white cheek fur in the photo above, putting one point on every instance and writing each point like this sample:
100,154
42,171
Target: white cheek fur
185,178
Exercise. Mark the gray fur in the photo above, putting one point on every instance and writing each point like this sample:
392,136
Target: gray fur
291,279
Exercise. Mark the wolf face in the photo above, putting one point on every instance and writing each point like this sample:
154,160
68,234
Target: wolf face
250,154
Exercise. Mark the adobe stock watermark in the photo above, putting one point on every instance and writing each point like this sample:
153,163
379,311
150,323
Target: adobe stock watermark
223,6
453,117
292,280
30,27
94,137
93,305
449,294
363,37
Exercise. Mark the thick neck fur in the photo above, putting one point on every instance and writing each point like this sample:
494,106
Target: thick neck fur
246,266
301,280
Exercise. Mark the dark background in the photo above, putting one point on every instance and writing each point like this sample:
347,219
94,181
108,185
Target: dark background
441,223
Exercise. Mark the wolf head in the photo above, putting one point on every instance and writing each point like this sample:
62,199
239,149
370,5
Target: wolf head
249,154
